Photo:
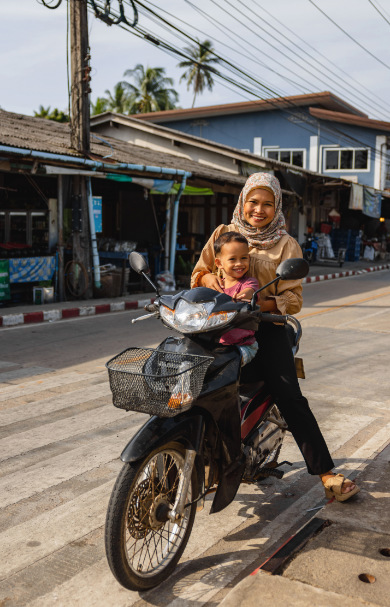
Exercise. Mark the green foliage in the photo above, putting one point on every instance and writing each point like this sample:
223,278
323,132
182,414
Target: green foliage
99,106
198,68
151,92
56,114
118,101
183,267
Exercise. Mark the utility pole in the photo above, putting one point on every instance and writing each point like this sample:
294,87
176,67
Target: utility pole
80,70
80,129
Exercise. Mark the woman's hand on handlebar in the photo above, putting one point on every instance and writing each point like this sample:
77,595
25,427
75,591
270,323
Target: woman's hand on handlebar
211,281
268,305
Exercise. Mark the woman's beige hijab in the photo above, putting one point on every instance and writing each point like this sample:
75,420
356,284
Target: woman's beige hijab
267,237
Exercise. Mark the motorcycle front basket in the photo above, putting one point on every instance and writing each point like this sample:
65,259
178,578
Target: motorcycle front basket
156,382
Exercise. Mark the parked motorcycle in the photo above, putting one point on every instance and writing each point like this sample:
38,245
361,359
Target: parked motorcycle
207,434
310,248
317,249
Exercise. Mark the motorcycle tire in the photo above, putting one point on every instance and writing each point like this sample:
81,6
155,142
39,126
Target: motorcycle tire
143,546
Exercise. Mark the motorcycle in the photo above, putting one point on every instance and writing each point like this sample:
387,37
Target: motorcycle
207,433
310,248
317,249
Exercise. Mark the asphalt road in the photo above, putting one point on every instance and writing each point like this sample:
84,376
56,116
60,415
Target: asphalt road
60,440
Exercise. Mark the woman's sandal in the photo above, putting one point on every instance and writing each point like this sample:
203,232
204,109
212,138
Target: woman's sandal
333,488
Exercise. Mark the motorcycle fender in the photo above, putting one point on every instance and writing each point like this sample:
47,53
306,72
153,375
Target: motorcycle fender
157,431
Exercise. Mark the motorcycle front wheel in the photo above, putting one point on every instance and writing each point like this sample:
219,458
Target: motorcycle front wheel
143,546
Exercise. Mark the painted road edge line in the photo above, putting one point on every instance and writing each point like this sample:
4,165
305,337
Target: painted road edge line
341,274
11,320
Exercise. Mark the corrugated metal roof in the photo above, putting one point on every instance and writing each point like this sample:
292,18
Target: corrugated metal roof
40,134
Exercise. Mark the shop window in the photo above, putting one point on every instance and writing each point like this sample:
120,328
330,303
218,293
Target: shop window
2,227
39,229
295,157
18,228
346,159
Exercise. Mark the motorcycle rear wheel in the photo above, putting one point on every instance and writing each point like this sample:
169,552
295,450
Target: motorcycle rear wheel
143,546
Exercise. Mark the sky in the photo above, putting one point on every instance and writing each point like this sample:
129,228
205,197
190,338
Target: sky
284,47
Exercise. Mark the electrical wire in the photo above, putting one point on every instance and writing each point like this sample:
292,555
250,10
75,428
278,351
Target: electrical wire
377,9
349,76
372,101
67,55
177,52
45,3
291,51
349,36
332,130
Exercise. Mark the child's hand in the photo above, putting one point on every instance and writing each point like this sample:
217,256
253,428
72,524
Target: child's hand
245,295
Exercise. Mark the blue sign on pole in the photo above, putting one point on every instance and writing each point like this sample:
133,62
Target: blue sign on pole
97,213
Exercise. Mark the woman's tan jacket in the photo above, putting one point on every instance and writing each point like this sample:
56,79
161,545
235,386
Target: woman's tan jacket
263,264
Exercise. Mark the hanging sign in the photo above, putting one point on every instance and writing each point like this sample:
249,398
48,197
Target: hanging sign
4,280
97,213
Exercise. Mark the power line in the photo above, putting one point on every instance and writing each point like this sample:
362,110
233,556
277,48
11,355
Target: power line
239,52
319,53
290,103
258,26
177,52
349,36
371,100
377,9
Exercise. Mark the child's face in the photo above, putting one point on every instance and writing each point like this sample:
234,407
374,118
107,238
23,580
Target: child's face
233,259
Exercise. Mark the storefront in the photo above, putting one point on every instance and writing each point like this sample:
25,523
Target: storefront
28,233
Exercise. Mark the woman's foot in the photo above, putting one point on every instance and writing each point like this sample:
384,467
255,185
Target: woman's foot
338,487
347,485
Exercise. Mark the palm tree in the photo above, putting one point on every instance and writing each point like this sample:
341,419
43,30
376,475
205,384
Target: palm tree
56,114
118,101
151,91
99,106
198,68
42,112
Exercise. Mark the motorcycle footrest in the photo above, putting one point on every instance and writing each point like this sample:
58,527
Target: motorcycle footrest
266,472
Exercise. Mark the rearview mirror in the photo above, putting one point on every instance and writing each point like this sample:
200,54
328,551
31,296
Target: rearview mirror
138,263
292,269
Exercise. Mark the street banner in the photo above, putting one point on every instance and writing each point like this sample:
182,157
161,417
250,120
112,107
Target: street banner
5,293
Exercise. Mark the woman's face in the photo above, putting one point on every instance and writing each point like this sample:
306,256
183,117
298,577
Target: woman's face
259,208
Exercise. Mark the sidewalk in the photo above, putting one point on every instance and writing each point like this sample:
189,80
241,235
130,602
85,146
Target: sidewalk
11,315
341,556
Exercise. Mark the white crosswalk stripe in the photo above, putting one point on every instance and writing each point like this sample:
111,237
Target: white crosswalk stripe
58,501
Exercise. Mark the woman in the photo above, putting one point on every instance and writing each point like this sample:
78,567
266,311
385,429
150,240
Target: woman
258,216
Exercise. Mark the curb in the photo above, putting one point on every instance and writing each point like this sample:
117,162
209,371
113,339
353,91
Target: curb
310,279
11,320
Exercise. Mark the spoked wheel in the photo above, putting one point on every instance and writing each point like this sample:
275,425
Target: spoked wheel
76,279
143,545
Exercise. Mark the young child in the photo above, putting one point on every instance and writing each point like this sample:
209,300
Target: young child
232,260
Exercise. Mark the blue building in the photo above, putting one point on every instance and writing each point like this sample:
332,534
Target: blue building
319,132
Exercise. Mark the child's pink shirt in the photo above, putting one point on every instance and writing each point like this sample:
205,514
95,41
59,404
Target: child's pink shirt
239,337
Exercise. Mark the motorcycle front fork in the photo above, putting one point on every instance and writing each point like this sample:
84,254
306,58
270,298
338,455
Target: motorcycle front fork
177,511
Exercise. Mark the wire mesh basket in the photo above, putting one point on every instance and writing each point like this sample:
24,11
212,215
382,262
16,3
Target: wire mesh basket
156,382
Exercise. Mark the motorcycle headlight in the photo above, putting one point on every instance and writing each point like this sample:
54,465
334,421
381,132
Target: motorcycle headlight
194,318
